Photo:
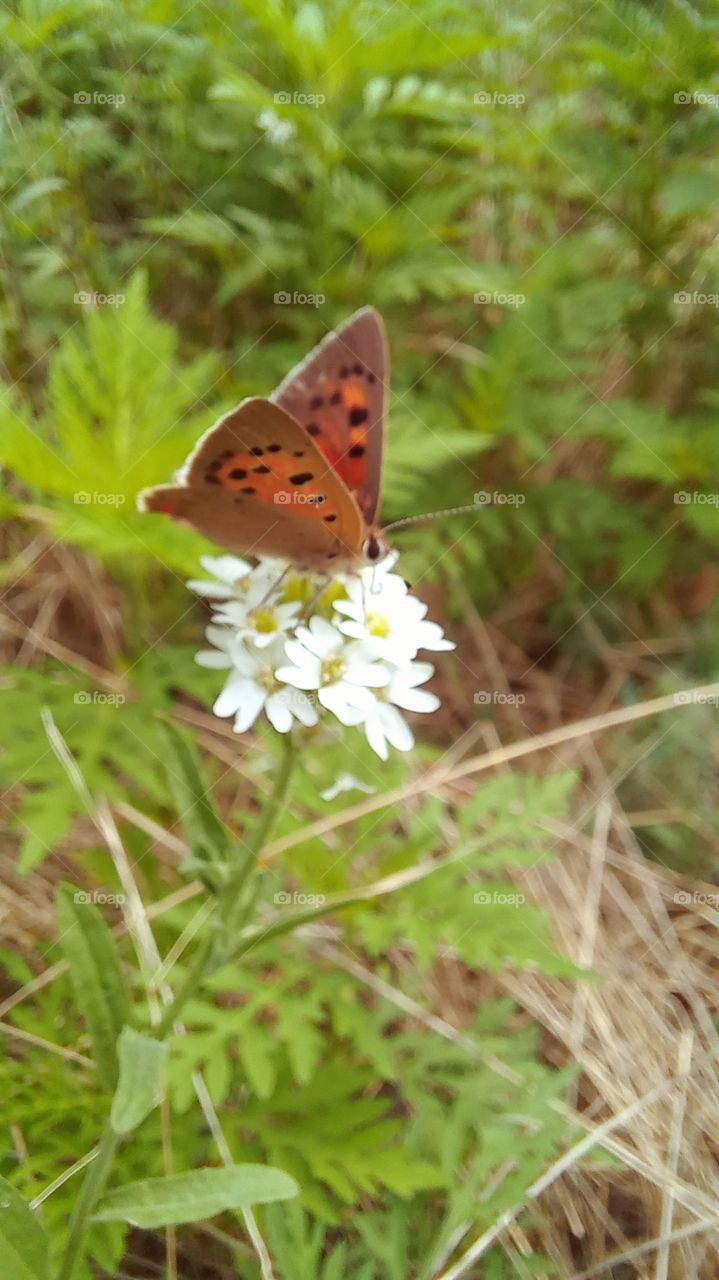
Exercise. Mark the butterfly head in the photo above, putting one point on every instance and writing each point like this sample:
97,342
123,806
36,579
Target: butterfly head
375,547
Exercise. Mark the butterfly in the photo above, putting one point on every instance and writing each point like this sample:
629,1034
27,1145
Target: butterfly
296,476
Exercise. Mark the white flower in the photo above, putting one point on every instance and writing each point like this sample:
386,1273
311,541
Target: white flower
383,723
253,686
360,667
255,610
388,619
346,782
231,572
342,674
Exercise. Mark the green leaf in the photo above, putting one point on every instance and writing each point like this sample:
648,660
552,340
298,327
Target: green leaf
96,977
139,1089
22,1239
194,1196
206,833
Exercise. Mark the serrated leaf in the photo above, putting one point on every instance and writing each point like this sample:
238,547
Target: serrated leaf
194,1196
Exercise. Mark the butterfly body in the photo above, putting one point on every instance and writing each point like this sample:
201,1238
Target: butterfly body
296,476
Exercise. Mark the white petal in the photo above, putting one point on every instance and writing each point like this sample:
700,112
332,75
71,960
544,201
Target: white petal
278,713
299,678
250,709
369,674
357,630
213,658
397,731
211,590
346,782
431,636
346,703
226,568
415,700
231,698
321,638
374,734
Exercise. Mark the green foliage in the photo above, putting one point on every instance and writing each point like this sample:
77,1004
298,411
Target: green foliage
190,1197
96,977
24,1243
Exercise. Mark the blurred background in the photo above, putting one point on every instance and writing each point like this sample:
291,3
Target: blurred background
192,196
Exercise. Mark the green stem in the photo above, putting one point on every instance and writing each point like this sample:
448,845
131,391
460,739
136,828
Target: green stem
203,960
231,895
261,833
90,1192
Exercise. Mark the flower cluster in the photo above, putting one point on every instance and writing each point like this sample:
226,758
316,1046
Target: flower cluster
300,649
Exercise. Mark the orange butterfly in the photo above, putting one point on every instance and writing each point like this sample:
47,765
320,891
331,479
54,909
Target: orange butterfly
297,476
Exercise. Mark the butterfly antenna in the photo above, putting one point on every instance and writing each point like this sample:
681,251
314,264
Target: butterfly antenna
435,515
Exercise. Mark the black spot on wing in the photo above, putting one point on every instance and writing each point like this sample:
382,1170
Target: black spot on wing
301,477
357,416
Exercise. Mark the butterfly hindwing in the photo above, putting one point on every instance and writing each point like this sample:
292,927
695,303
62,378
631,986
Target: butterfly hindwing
256,481
338,395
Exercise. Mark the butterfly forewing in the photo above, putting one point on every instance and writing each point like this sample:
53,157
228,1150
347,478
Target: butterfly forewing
257,482
338,395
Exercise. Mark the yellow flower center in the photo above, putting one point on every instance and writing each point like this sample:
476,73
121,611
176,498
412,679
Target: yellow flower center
268,680
264,620
297,589
332,669
378,625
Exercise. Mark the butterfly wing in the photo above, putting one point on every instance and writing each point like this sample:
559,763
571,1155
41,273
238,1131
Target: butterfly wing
338,395
256,482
